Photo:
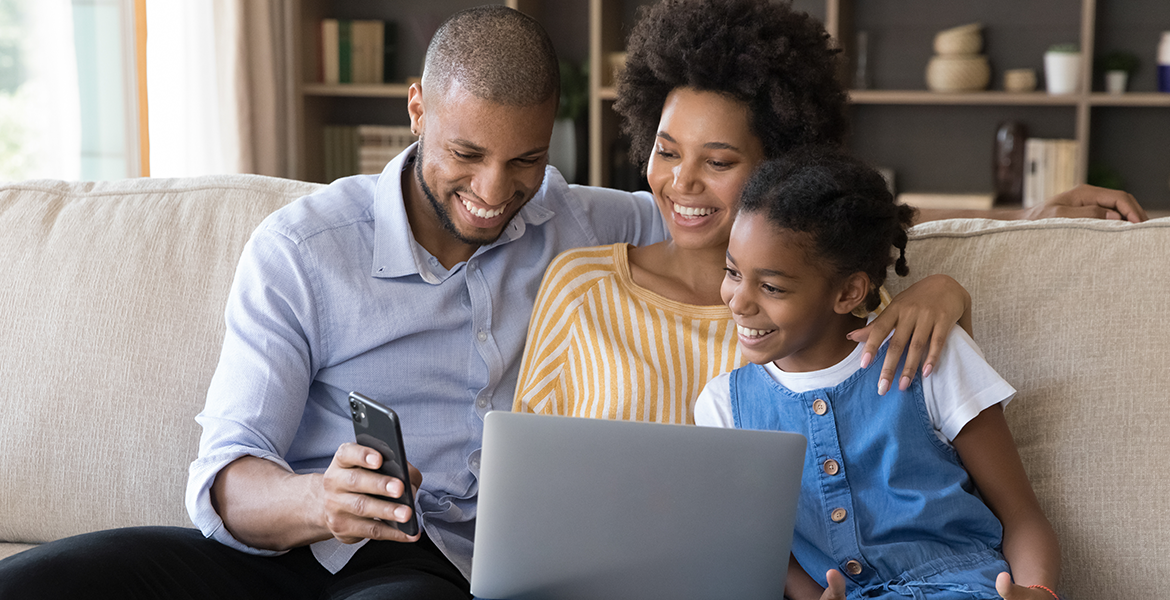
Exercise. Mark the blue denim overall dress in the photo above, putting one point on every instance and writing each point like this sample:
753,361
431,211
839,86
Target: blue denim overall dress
883,499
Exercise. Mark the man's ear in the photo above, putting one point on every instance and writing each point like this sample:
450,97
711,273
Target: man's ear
416,108
853,291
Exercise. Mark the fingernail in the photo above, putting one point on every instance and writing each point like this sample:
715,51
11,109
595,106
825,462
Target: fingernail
904,383
392,489
883,386
402,512
370,460
926,371
865,358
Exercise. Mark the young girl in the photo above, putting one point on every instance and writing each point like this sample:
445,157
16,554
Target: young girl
919,494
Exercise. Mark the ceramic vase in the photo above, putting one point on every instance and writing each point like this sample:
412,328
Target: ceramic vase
1062,72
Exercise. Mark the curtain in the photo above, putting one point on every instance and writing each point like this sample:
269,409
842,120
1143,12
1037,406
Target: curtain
265,90
220,90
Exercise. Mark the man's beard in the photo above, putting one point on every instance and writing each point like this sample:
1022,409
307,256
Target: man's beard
441,211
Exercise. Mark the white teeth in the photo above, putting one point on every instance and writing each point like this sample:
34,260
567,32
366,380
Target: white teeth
690,211
752,333
481,213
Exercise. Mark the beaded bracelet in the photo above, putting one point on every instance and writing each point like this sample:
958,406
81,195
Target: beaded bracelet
1045,588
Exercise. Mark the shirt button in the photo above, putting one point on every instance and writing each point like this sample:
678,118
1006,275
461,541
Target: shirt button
471,267
853,567
831,467
839,515
482,335
820,407
482,402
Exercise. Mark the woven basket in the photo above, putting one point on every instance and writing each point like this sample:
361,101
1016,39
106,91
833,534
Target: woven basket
1019,80
965,73
965,39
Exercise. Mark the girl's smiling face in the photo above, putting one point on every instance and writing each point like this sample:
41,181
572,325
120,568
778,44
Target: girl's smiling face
704,152
786,305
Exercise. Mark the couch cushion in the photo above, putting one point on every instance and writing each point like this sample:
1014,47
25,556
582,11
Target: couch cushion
1074,314
112,305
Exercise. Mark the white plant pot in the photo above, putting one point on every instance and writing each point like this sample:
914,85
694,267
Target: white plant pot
1115,81
1062,72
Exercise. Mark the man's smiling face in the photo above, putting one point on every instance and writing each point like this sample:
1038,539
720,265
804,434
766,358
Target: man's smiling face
478,162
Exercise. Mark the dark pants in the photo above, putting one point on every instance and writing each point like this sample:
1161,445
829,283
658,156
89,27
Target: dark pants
175,563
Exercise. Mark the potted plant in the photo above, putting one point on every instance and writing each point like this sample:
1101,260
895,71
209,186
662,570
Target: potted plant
564,151
1117,66
1062,68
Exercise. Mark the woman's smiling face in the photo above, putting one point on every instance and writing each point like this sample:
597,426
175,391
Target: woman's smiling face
704,152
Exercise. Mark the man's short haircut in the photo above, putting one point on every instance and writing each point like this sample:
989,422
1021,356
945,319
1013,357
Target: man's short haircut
495,53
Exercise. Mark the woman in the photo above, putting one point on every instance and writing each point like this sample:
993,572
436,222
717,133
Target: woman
709,91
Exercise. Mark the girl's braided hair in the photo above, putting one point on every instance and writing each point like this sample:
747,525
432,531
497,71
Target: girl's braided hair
842,204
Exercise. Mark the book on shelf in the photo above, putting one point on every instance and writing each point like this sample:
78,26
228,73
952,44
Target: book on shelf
358,51
1050,167
362,149
947,201
330,46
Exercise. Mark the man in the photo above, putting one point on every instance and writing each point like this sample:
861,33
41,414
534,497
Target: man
413,287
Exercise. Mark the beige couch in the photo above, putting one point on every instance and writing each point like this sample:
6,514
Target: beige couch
112,301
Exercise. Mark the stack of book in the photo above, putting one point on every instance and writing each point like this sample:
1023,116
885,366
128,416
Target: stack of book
379,144
1050,167
358,51
362,149
940,201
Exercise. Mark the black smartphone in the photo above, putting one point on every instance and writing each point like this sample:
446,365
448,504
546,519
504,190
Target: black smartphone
376,426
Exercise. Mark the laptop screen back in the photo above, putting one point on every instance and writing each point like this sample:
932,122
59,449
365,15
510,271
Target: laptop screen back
574,508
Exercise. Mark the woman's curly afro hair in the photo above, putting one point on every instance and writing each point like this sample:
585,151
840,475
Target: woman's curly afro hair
776,60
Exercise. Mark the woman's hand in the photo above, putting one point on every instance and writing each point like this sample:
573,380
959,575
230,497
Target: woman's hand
1010,591
920,318
1087,201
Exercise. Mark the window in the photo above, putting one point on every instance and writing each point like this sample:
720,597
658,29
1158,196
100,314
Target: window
69,102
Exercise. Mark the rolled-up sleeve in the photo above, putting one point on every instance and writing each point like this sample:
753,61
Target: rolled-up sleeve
258,393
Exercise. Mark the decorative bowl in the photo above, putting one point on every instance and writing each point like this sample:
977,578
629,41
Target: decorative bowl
1019,80
965,39
961,73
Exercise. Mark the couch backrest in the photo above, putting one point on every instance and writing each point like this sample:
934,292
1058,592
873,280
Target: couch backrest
112,303
1074,314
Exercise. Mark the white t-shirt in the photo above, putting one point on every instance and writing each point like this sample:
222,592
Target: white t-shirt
960,387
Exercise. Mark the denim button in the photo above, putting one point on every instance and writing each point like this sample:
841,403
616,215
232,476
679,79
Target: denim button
853,567
838,515
820,407
831,467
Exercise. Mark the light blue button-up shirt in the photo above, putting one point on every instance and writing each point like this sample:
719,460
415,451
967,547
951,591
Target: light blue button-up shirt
333,294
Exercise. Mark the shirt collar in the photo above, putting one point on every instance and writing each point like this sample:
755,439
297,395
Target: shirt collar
398,254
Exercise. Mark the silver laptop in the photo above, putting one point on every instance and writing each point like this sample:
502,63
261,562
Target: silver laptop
573,508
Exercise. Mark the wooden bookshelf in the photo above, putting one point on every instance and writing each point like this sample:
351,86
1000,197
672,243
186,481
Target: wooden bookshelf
936,142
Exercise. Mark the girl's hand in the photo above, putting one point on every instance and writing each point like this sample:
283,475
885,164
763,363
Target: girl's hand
921,317
836,589
1010,591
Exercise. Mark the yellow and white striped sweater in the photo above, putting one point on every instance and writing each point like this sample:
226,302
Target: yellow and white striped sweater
600,346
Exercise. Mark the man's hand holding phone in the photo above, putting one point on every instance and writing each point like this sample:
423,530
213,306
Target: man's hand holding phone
358,500
365,489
